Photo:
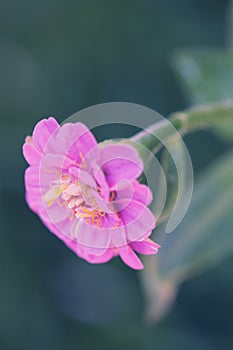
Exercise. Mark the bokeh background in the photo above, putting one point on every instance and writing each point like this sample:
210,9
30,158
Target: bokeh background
57,57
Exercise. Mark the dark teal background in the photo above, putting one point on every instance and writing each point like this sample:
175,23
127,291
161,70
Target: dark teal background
57,57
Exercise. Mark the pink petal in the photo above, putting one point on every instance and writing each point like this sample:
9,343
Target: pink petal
56,161
57,214
138,221
84,178
31,154
97,259
120,162
142,193
35,177
130,258
101,180
145,247
76,142
119,238
105,206
133,191
32,177
53,214
95,240
43,132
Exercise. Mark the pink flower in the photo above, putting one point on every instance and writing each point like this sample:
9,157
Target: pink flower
87,194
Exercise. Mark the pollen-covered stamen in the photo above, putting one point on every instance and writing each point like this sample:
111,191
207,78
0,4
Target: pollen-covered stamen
78,198
52,194
56,190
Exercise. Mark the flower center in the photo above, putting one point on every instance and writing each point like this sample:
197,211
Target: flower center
78,199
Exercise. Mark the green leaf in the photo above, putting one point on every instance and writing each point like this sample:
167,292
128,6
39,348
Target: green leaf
206,76
203,239
205,235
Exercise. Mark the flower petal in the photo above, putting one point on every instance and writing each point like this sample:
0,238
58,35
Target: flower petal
57,214
119,238
43,132
95,240
36,178
142,193
76,142
56,162
146,247
32,177
138,221
133,191
97,259
120,162
101,180
130,258
31,154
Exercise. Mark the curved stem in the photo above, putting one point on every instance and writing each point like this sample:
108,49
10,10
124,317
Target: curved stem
200,117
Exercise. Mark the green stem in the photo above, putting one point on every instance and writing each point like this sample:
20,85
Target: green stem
203,116
200,117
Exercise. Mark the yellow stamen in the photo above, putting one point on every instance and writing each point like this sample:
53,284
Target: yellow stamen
50,202
84,163
117,224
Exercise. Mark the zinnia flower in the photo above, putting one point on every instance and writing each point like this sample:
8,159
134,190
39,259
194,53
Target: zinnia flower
87,194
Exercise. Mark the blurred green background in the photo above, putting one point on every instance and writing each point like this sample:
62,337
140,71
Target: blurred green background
57,57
